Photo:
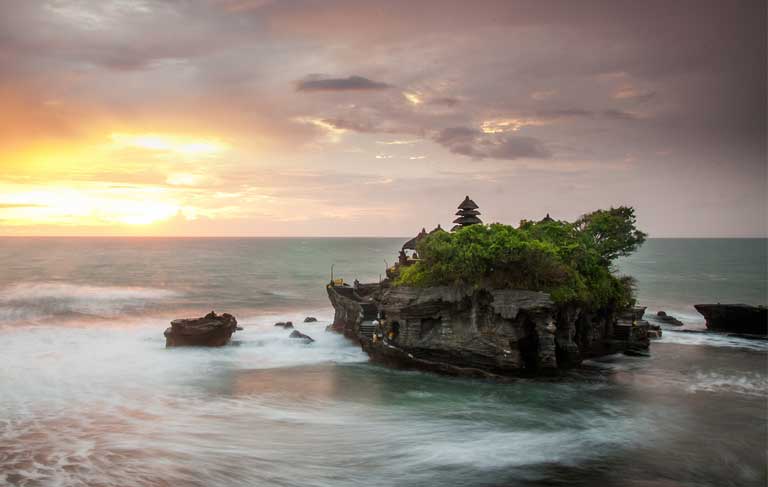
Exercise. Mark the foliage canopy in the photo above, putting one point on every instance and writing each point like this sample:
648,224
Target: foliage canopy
571,261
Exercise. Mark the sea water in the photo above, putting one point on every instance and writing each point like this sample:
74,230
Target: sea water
89,396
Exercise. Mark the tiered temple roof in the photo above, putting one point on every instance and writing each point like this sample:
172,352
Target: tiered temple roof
467,214
411,244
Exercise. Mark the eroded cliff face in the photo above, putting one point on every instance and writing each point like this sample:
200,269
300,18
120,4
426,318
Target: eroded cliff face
478,332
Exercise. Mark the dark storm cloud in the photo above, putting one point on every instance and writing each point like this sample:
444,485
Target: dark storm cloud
350,83
476,144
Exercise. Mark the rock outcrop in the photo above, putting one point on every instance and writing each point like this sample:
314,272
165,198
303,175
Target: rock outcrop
663,317
735,318
211,330
284,324
478,332
301,336
310,319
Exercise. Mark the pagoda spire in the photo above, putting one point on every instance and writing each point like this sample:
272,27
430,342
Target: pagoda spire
467,214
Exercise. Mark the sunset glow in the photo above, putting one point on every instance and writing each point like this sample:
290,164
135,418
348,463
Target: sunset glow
277,118
89,205
185,146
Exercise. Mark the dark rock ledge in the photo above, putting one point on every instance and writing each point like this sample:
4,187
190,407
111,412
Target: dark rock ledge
480,333
211,330
735,318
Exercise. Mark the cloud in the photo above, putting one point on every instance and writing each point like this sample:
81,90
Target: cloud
355,126
417,98
479,145
445,101
609,114
19,205
414,98
350,83
397,142
72,73
540,95
633,94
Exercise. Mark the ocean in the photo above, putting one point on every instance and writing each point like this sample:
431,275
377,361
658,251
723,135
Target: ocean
89,396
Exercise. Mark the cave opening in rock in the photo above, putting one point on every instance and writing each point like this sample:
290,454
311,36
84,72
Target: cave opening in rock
529,345
394,330
427,325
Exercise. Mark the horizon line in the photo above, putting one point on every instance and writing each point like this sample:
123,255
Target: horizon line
764,237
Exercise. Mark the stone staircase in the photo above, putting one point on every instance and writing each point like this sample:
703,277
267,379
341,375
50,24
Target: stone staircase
367,329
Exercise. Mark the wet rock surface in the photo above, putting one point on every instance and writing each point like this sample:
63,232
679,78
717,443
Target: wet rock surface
735,318
211,330
477,332
663,317
296,334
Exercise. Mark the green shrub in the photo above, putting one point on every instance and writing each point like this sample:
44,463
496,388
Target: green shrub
571,261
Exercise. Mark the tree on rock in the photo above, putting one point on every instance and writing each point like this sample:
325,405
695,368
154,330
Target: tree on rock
612,233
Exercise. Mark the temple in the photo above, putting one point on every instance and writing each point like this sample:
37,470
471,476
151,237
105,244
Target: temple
467,214
477,331
408,254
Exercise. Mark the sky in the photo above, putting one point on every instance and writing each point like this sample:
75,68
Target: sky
376,118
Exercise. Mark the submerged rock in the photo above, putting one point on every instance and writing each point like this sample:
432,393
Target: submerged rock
735,318
637,352
668,319
211,330
299,335
310,319
285,324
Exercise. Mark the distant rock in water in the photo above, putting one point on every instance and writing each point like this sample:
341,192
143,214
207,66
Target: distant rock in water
299,335
667,319
284,324
310,319
735,318
211,330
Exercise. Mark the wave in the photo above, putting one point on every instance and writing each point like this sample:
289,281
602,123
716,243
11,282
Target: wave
712,339
747,384
39,300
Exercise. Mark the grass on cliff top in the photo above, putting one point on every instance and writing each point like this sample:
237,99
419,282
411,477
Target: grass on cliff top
571,261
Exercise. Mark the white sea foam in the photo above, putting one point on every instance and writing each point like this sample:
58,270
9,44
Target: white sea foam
82,404
28,291
34,300
748,384
712,340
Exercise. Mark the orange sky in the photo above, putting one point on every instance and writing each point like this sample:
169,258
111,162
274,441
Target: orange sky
236,117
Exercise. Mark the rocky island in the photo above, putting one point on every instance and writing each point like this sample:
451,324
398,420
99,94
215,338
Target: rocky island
494,300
